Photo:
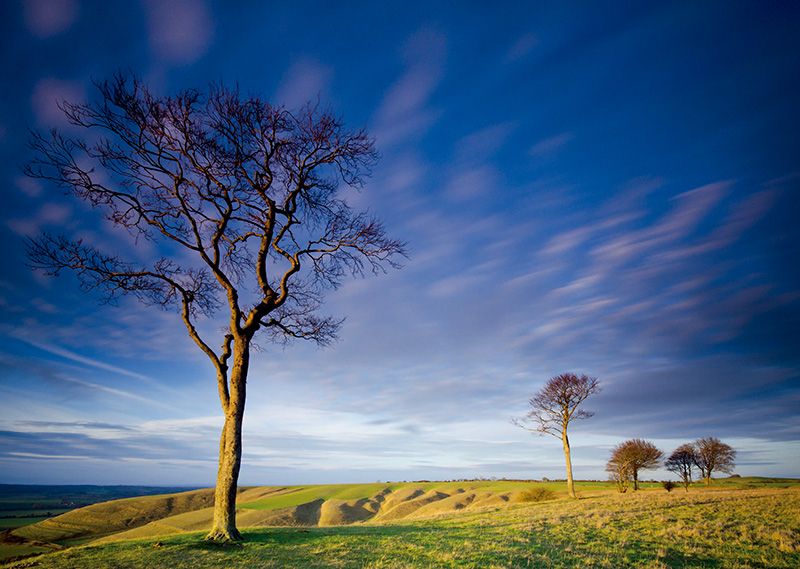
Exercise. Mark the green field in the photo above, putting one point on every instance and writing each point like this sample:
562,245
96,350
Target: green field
736,523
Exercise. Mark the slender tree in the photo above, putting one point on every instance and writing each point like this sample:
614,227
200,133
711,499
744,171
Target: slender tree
244,202
712,455
555,406
636,455
682,461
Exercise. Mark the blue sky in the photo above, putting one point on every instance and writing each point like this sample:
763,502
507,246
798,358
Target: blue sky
607,188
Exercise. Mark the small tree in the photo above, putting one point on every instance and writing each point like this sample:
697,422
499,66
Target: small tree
243,201
555,406
668,485
619,472
712,455
636,455
681,462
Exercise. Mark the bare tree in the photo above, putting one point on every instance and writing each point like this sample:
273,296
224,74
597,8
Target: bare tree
682,462
711,455
242,199
636,455
555,406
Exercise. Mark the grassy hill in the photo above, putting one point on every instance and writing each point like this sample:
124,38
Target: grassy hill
26,504
745,522
105,518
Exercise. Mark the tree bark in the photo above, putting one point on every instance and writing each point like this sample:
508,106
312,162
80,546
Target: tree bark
635,479
230,452
570,483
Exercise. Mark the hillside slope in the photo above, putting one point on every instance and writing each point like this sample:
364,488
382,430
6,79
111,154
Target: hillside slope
312,506
725,528
104,518
339,504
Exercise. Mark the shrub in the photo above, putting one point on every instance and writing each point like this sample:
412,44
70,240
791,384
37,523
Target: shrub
536,494
668,485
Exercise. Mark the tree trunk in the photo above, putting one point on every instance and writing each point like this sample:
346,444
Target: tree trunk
570,483
230,453
635,479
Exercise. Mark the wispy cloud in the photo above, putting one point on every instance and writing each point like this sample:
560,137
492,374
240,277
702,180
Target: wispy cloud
78,358
553,188
116,392
28,186
48,94
49,214
179,31
305,81
405,110
550,145
46,18
522,47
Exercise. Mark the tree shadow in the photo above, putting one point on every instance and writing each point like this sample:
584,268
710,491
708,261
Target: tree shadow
300,535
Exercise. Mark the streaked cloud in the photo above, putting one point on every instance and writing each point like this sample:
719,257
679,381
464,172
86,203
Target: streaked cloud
405,110
49,215
179,31
46,18
568,206
550,145
70,355
305,80
48,94
522,47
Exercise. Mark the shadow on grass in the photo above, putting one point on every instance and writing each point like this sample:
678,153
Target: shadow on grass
644,554
301,535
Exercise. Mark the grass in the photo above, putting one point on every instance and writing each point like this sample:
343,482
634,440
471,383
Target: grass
27,504
8,550
96,520
18,522
296,495
726,526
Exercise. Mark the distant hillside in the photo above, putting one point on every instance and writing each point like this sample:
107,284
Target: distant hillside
80,493
93,521
26,504
36,499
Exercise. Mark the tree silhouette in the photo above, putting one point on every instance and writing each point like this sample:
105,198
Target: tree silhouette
681,462
635,455
711,455
243,200
555,406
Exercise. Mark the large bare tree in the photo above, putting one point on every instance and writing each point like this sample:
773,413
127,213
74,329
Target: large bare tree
634,455
555,406
244,203
711,454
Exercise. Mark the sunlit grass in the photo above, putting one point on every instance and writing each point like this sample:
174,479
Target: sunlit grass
721,528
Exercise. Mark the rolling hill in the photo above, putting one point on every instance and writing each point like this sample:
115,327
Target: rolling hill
764,511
